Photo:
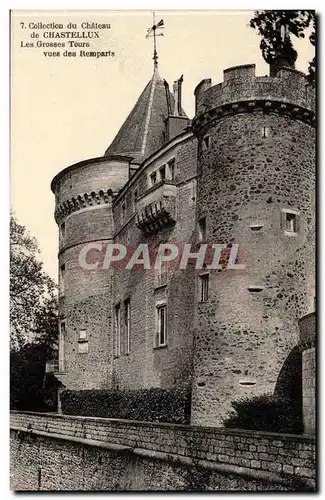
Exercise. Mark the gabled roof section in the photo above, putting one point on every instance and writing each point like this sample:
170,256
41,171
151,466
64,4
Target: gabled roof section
144,131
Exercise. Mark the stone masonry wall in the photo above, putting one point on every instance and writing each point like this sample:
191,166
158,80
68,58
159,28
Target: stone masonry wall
53,452
146,364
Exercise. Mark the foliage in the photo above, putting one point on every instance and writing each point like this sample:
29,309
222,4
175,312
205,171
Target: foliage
151,405
33,310
30,287
276,47
29,390
265,413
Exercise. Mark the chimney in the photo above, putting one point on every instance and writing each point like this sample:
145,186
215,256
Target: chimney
175,93
179,95
176,122
169,108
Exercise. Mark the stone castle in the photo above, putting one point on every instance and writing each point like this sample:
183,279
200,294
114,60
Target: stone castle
241,172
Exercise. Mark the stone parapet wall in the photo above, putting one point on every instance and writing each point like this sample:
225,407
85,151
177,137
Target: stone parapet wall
240,83
276,458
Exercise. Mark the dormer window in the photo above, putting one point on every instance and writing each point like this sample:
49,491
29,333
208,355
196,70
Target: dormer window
153,178
171,168
162,173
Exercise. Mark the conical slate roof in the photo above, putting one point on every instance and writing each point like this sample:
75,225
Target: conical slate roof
143,132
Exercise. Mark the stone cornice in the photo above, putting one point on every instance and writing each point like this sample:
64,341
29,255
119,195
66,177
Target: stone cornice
81,201
202,120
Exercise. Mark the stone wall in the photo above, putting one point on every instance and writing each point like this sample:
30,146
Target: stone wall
55,452
146,364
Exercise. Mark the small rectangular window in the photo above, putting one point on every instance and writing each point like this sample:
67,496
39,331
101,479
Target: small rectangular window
202,229
162,325
291,222
117,330
204,287
153,178
171,167
127,325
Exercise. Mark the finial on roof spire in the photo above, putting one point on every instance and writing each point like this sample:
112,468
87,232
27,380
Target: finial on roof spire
151,32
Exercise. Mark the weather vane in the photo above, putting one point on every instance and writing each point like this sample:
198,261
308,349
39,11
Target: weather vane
151,32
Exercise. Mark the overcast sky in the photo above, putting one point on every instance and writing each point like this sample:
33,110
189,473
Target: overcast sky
64,110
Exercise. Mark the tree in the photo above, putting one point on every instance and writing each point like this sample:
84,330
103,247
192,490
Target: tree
33,309
30,286
275,26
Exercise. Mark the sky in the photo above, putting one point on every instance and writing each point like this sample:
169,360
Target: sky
67,109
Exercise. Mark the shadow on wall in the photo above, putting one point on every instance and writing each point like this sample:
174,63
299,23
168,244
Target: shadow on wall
289,383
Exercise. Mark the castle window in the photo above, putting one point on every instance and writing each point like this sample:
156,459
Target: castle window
62,332
162,325
171,168
162,274
162,173
206,142
204,287
202,229
153,178
290,222
265,132
83,342
62,227
117,330
127,325
61,280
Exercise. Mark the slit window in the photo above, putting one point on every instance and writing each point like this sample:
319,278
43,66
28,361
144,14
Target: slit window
204,287
206,142
162,325
265,132
202,228
117,330
63,231
62,275
127,325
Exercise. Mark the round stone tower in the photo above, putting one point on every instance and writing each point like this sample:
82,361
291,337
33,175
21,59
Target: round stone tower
256,188
83,199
